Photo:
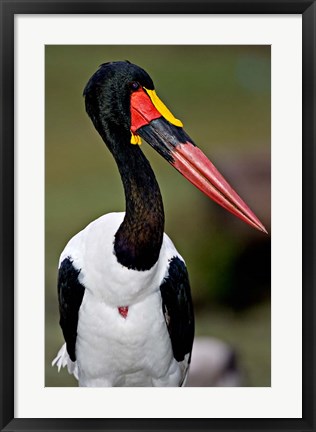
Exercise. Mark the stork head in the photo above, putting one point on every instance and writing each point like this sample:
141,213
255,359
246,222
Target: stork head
122,103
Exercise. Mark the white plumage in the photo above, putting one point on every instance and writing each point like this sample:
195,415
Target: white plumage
112,350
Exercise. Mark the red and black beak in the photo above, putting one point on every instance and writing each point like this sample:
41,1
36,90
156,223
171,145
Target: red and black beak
151,120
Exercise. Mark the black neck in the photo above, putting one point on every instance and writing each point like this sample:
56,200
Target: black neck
139,238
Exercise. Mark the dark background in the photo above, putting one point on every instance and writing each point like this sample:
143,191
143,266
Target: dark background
222,94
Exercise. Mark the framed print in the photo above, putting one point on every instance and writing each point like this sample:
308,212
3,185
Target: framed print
246,70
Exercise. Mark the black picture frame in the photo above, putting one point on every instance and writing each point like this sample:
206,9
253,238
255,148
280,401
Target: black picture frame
8,9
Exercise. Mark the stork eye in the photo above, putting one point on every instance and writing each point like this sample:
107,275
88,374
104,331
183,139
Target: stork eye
135,85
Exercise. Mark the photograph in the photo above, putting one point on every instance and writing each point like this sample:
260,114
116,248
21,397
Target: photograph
157,215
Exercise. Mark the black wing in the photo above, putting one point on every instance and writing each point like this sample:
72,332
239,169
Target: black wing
178,308
70,295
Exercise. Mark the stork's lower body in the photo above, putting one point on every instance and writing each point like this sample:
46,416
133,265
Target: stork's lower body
122,337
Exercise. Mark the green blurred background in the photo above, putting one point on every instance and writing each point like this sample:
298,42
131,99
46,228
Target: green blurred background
222,94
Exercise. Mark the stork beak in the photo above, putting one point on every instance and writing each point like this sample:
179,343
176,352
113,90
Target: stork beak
165,134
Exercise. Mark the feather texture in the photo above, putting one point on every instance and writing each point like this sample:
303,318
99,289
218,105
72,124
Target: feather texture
112,350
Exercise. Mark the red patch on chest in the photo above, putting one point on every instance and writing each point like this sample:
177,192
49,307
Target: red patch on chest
123,310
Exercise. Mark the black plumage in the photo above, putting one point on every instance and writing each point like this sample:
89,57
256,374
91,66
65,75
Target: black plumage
70,295
178,308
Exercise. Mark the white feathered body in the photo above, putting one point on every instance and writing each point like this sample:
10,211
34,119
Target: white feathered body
112,350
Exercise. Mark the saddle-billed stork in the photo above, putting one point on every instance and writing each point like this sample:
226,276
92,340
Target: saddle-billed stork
124,295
